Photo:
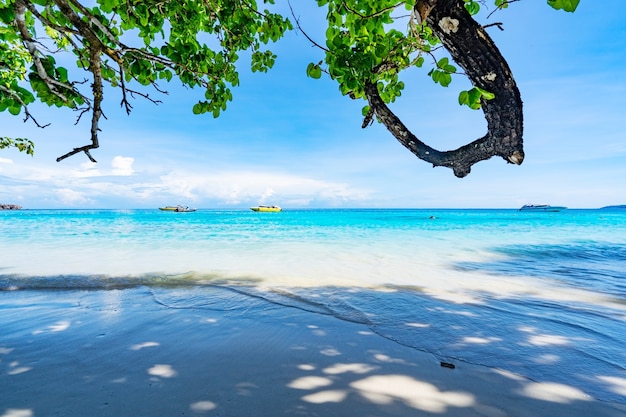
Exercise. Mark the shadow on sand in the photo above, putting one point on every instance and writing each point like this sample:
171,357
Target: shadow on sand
215,352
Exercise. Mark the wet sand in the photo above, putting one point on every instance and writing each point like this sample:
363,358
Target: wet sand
123,353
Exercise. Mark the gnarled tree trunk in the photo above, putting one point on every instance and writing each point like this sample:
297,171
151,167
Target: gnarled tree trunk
471,47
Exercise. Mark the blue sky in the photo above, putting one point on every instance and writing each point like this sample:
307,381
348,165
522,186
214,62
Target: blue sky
297,142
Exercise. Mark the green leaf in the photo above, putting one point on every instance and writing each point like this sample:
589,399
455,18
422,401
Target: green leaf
472,7
464,98
108,5
567,5
198,108
62,74
502,4
15,109
314,71
487,95
474,95
472,98
445,79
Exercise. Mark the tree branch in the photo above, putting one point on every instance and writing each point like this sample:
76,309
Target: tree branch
486,69
376,13
94,67
95,47
27,114
29,42
502,6
302,30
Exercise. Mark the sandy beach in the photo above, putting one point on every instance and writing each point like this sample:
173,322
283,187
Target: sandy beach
125,353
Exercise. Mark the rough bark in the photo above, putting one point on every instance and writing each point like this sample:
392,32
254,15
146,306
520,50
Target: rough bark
471,48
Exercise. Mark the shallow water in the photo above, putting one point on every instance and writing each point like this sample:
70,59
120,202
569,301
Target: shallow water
539,294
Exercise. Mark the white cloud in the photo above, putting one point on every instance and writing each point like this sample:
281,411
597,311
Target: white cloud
85,184
86,170
72,197
122,166
238,187
6,161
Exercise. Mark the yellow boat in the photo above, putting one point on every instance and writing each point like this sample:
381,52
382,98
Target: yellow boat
267,209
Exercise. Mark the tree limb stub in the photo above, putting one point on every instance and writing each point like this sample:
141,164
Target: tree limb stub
487,69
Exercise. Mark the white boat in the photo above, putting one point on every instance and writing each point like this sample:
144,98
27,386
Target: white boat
179,209
267,209
541,207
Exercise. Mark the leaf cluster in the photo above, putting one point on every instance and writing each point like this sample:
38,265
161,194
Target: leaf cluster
134,44
566,5
22,144
364,44
130,44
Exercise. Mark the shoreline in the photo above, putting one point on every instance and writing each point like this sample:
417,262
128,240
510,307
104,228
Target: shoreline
127,353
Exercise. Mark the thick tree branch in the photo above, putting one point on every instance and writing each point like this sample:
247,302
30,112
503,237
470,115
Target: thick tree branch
95,51
471,47
54,85
94,67
96,22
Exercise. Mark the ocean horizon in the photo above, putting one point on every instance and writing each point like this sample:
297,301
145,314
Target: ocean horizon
541,295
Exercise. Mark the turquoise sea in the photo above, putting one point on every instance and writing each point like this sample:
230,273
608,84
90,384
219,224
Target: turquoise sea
542,295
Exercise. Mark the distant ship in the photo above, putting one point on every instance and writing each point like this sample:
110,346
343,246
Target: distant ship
541,207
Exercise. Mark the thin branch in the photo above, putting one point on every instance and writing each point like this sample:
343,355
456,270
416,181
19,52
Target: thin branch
27,114
379,12
145,96
302,30
61,29
124,101
506,3
82,113
498,24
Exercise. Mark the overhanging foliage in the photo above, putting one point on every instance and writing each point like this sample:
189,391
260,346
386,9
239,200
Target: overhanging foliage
131,44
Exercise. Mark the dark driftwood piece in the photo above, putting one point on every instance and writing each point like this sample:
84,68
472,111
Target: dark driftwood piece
471,47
